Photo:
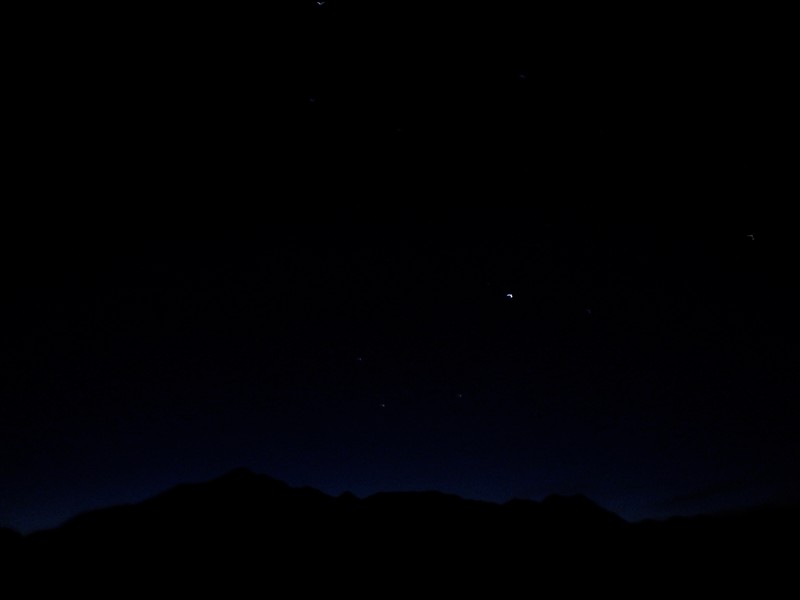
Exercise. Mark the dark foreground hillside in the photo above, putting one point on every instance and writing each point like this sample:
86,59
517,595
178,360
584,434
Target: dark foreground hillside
248,534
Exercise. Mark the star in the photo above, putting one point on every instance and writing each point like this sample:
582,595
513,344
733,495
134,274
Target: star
752,237
510,296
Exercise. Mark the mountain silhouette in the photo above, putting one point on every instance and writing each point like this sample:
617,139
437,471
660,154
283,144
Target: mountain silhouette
246,531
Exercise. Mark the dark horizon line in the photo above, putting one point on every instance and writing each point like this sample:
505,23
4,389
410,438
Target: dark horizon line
247,472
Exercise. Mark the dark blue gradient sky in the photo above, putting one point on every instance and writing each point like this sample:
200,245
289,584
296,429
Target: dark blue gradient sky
286,241
648,370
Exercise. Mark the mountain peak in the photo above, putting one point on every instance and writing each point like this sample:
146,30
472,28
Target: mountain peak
244,476
578,507
237,474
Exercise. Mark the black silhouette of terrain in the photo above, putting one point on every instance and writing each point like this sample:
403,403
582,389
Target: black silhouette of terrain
245,532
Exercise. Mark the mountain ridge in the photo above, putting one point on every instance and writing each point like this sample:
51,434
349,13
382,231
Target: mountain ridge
244,481
244,530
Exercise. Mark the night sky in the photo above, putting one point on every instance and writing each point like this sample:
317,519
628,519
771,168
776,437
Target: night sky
377,250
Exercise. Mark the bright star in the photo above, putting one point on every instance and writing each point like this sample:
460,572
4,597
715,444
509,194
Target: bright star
509,295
